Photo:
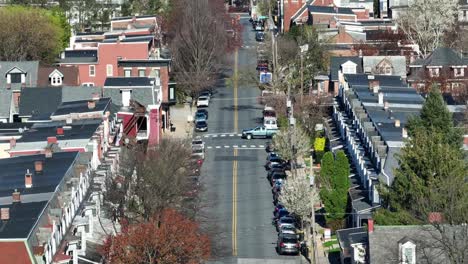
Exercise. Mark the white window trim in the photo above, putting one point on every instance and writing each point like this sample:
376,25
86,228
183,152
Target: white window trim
109,70
408,245
434,72
93,71
458,72
126,70
144,72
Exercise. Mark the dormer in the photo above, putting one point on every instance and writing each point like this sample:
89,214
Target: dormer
349,67
407,251
15,75
56,78
384,67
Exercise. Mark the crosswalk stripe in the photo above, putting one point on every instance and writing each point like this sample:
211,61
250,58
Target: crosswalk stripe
261,146
235,146
223,135
252,146
244,146
218,147
226,146
209,147
231,135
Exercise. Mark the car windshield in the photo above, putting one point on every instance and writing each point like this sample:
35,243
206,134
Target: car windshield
290,240
202,98
197,151
200,115
201,123
197,142
287,220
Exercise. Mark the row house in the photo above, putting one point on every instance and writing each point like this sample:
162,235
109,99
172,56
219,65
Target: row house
371,114
13,76
443,66
144,106
373,65
326,15
9,131
97,65
38,103
39,198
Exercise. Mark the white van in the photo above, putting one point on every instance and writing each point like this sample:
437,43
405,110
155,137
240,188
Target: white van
270,123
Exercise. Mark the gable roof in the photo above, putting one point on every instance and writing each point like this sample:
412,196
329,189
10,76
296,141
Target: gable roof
37,101
336,62
5,102
301,10
142,96
442,57
121,82
29,67
331,10
398,63
70,75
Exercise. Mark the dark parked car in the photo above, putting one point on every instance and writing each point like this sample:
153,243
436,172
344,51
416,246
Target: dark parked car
203,111
276,176
201,126
274,170
259,36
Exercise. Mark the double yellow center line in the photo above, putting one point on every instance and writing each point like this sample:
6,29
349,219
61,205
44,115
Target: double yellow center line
234,162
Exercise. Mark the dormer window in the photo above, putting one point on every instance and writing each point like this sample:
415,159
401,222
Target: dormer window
434,72
407,252
459,72
349,67
56,78
16,75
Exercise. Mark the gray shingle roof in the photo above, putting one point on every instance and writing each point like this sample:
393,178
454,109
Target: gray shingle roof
141,95
384,244
30,67
336,62
442,57
39,101
5,102
331,10
73,93
398,63
127,82
349,236
81,106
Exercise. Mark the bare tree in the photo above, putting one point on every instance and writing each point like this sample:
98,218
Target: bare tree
426,22
199,44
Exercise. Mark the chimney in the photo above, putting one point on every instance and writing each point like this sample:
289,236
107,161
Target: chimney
374,86
95,96
51,140
28,179
381,101
38,166
404,132
397,122
91,104
12,142
69,120
435,218
16,196
370,225
360,53
5,214
386,105
48,153
59,131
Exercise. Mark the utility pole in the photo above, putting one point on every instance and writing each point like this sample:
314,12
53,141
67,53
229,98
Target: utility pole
312,218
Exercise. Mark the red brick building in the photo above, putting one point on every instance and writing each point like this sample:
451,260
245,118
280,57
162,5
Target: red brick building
295,11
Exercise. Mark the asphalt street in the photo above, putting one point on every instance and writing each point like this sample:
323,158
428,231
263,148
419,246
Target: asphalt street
236,198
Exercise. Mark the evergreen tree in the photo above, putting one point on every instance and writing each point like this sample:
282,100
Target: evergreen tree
436,117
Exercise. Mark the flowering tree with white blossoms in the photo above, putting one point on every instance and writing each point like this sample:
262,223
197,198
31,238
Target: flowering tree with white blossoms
426,21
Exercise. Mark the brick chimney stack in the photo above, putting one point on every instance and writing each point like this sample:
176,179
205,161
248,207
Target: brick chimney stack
16,196
5,214
51,140
12,142
59,131
370,225
91,104
38,166
28,179
48,153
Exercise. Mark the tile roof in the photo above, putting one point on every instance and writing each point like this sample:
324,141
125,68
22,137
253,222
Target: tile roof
70,75
336,62
30,67
331,10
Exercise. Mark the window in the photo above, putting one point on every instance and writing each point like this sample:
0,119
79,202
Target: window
459,72
155,73
92,70
141,72
349,67
56,80
89,84
407,252
434,72
109,70
15,77
128,72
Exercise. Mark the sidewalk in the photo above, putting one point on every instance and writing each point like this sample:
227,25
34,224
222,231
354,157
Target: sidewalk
179,119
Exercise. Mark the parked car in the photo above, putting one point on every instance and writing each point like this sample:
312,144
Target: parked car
198,143
259,27
274,161
198,152
288,229
281,213
201,126
203,111
199,116
276,176
205,93
258,132
288,243
268,111
272,155
285,220
274,170
203,101
270,123
259,36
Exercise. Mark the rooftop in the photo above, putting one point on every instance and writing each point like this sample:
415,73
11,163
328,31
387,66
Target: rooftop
144,63
336,62
442,57
349,236
130,38
65,108
331,10
30,68
120,82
